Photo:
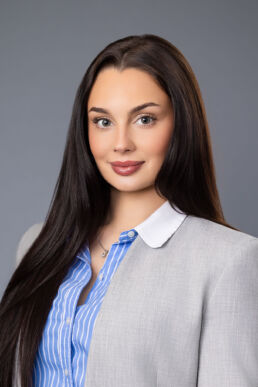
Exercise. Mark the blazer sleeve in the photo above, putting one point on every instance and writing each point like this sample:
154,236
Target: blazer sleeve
26,241
228,353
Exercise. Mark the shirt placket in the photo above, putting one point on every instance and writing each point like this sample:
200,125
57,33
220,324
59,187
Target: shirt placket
70,307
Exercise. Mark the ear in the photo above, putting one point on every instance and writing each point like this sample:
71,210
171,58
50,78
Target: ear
26,241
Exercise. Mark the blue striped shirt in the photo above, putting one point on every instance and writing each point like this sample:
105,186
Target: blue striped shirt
61,359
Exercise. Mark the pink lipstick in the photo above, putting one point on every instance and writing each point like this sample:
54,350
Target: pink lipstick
125,168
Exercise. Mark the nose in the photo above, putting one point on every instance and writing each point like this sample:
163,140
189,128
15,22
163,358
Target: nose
123,140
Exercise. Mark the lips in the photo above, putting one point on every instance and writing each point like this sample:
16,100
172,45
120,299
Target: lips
126,169
125,163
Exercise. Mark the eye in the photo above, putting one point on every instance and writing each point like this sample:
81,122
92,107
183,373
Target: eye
96,121
149,118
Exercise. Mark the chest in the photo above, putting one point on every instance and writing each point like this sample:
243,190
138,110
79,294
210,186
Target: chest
97,262
150,320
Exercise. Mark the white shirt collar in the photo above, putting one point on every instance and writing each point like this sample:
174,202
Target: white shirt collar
160,225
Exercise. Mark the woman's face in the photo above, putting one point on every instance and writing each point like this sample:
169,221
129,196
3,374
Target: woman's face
116,133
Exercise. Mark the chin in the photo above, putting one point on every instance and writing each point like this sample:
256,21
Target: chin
130,186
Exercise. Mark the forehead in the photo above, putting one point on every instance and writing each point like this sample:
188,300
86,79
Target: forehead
129,85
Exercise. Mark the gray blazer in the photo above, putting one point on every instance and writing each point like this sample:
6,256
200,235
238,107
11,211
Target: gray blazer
182,315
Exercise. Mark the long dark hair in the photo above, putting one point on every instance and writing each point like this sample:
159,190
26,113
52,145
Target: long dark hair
81,198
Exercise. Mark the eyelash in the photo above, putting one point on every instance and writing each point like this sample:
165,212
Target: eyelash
97,119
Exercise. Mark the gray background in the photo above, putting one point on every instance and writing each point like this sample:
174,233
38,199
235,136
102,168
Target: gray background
46,46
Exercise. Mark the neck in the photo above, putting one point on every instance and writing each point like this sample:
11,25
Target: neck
128,209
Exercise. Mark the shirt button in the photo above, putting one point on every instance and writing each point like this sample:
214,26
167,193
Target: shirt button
131,233
101,276
66,372
68,320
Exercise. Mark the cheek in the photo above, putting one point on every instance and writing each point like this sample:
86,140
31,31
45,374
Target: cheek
98,146
157,144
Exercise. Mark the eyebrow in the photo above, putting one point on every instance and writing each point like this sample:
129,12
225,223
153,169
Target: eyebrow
133,110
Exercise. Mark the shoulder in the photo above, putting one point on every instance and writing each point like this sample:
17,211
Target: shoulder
219,231
26,240
215,237
226,260
211,247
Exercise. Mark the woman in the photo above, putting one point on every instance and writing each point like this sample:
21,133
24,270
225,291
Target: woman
134,278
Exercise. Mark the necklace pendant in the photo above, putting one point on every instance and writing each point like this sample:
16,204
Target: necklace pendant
103,254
